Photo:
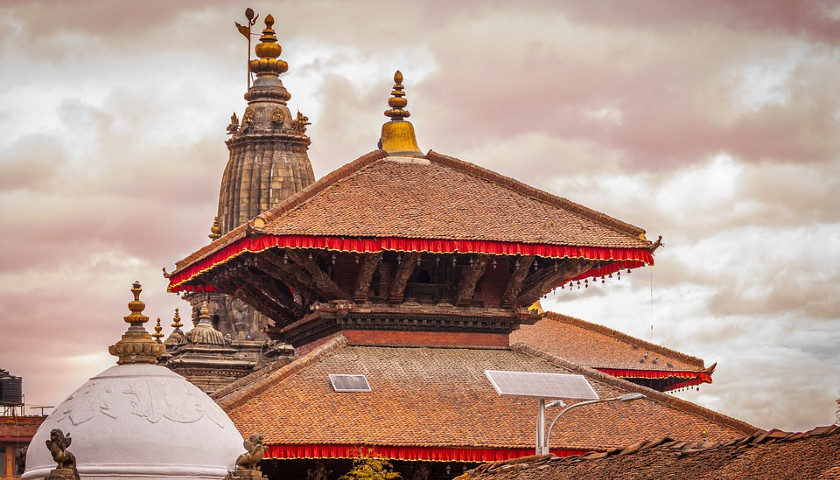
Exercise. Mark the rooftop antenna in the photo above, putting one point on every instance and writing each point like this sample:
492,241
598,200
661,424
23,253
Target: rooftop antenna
246,31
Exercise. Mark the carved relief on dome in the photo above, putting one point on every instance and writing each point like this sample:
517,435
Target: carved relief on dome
150,399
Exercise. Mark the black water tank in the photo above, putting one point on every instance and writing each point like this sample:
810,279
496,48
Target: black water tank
11,390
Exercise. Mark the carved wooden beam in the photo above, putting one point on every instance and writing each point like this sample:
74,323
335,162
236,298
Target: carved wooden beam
252,298
520,271
404,271
470,279
275,288
290,275
550,278
320,280
266,303
368,268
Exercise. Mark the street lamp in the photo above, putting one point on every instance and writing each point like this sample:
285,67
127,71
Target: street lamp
543,448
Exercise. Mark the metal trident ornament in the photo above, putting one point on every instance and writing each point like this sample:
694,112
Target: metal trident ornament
246,31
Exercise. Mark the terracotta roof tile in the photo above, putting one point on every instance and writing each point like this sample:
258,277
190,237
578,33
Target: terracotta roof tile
597,346
435,197
775,454
440,397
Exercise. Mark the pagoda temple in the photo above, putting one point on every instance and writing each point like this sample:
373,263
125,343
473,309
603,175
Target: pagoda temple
418,271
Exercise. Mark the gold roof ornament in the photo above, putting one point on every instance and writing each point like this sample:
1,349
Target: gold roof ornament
398,138
215,230
269,51
136,345
157,335
176,320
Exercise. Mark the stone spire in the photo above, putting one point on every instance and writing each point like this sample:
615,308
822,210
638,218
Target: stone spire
204,333
398,136
268,149
177,336
136,345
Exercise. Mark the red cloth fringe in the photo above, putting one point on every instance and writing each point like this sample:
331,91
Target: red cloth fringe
435,454
625,257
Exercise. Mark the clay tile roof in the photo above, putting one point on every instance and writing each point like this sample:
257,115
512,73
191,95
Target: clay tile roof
775,454
432,198
598,347
440,397
439,197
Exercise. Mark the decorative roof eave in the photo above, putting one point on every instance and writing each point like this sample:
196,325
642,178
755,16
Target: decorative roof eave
691,378
622,257
398,452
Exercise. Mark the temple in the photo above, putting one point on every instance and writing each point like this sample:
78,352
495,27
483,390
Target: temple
388,287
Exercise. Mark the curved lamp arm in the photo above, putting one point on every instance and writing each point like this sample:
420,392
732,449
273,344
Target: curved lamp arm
621,398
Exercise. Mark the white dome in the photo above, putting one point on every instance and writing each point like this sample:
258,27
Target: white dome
140,421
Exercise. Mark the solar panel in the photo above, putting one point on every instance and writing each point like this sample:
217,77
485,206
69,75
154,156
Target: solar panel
541,385
349,383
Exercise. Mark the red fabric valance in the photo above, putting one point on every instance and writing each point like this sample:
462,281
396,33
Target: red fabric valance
434,454
692,378
627,257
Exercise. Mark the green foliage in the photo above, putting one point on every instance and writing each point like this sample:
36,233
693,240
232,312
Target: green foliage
369,466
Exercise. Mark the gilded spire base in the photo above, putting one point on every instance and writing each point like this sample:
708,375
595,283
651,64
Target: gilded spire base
136,345
398,137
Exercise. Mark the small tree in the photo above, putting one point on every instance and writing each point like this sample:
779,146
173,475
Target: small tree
369,466
837,413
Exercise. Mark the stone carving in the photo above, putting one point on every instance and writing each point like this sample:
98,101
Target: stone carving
277,116
421,472
231,129
320,472
57,445
246,464
300,124
20,460
149,399
86,402
170,400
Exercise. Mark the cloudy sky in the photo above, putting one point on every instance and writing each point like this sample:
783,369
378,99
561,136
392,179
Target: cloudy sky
714,124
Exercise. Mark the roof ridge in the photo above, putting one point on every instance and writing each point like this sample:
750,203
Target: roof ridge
525,189
668,400
246,388
559,317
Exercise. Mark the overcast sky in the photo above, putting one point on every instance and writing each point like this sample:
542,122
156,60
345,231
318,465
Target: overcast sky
713,124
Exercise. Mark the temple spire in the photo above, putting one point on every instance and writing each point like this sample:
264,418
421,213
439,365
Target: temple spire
136,345
398,138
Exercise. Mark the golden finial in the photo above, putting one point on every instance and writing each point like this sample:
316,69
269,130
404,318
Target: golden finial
215,230
176,320
157,335
398,136
269,52
136,345
398,101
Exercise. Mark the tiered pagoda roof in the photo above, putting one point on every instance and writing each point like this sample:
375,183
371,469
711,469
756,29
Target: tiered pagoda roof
614,353
437,404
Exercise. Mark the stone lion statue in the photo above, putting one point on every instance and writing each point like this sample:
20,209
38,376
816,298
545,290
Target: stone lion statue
254,451
57,445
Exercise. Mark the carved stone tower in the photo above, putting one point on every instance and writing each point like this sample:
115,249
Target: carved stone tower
268,162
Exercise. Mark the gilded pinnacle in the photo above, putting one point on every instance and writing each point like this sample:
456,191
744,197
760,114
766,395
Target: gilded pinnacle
269,51
215,230
398,138
136,345
176,320
157,335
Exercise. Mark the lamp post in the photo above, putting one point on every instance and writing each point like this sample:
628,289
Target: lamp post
544,437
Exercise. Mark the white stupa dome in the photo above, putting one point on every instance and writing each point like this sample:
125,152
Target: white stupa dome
139,420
